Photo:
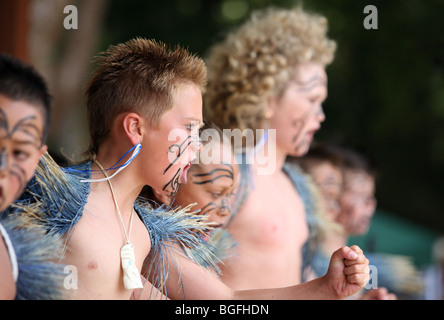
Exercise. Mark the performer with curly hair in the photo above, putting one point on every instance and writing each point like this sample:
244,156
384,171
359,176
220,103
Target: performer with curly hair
269,73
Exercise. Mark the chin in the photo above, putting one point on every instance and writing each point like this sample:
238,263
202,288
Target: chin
300,150
298,153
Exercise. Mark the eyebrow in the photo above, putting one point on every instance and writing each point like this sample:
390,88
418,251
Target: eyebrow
201,124
26,142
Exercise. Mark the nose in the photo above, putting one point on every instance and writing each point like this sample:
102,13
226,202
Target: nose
320,114
224,209
197,144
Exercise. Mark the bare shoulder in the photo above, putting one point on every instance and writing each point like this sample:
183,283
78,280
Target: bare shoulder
7,285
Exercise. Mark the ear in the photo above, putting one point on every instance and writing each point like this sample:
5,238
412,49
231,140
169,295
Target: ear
162,197
133,125
270,108
42,150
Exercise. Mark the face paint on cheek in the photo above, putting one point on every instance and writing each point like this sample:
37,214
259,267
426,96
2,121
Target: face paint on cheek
176,151
20,174
298,141
3,159
306,87
3,125
225,206
211,206
173,185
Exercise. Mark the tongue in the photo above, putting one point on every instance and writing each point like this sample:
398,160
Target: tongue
184,174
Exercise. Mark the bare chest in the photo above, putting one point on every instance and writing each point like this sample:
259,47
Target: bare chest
94,249
274,216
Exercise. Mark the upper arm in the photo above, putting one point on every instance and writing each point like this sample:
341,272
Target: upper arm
188,280
7,284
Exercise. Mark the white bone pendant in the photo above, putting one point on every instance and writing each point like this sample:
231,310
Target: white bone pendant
131,276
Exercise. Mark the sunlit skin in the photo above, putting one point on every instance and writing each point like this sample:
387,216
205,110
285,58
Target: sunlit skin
21,130
271,227
180,134
297,115
95,242
97,258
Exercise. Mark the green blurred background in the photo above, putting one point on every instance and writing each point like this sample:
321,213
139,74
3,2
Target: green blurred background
386,87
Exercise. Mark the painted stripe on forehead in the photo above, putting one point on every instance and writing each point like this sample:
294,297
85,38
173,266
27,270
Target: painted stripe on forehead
22,125
218,173
310,84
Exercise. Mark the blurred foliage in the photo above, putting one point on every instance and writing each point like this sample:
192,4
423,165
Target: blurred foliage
386,86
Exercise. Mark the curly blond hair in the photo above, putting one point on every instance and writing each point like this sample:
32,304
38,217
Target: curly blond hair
255,61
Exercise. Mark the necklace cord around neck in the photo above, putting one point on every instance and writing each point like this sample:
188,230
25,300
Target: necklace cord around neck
127,235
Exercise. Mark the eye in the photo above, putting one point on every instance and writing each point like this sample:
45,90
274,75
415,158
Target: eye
193,126
189,127
216,194
20,154
318,99
315,100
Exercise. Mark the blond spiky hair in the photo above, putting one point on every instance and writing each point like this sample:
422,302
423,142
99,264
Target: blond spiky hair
139,76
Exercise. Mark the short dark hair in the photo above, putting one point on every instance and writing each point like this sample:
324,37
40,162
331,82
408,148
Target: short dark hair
357,160
21,82
320,152
345,158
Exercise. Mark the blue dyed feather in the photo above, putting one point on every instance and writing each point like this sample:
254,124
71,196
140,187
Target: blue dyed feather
56,199
40,275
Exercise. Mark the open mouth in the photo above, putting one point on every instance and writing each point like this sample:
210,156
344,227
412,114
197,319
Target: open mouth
207,234
206,237
185,173
312,132
217,225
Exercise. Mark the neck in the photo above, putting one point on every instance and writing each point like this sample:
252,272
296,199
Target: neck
124,183
269,159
